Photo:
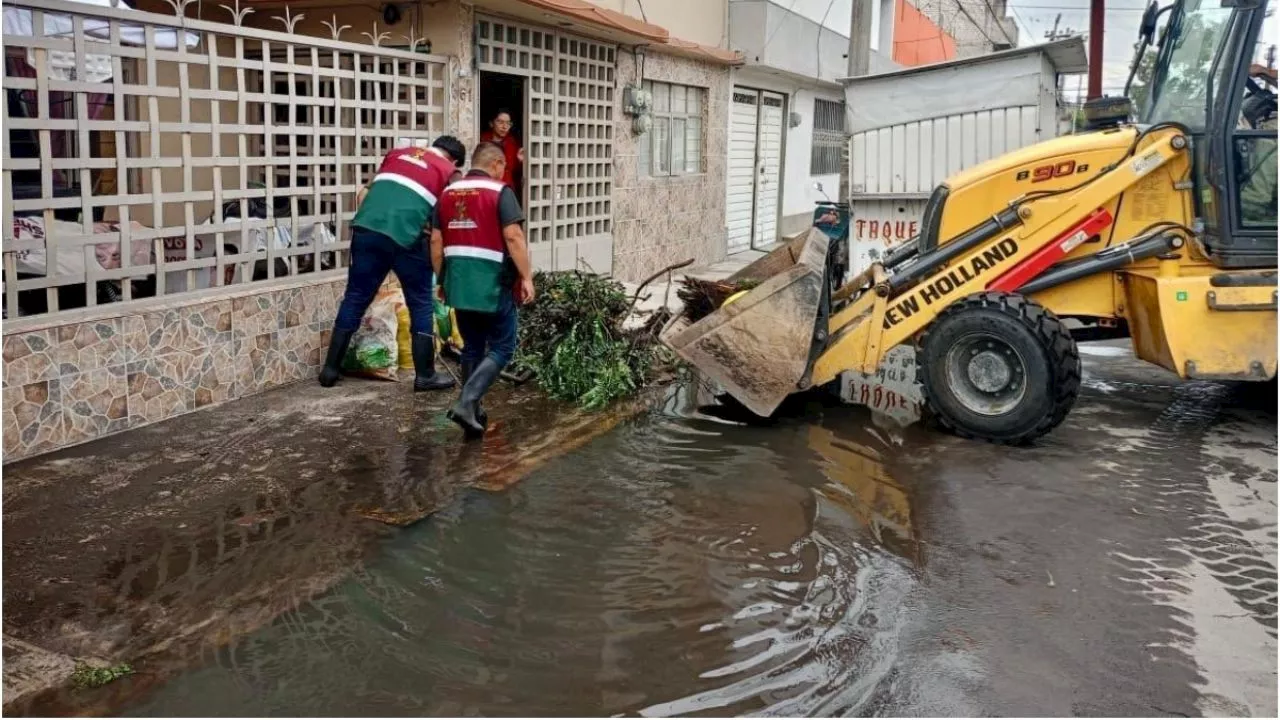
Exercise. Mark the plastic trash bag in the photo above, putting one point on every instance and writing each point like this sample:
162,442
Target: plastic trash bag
447,334
375,348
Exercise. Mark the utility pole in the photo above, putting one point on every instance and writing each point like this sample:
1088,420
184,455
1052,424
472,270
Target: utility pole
1097,11
860,38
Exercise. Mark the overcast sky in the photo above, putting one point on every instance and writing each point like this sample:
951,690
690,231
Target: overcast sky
1034,19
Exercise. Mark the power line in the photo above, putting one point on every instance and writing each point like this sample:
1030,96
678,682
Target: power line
818,49
965,11
1017,20
1072,8
779,26
998,23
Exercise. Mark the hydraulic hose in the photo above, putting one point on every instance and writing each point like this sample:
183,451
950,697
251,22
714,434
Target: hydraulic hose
944,254
1112,258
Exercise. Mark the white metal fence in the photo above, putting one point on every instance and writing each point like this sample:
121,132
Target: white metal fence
150,155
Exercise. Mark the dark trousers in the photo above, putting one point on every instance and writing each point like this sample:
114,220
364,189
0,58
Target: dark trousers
373,255
493,334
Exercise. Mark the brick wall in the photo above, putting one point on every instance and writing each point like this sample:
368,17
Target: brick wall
662,220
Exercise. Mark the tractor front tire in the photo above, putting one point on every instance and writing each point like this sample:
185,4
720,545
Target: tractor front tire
998,367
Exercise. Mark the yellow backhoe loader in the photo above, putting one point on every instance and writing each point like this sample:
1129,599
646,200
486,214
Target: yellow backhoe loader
1163,230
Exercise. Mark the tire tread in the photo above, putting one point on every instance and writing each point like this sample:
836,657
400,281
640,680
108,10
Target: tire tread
1054,337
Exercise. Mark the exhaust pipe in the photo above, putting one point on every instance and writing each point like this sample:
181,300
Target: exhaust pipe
1111,258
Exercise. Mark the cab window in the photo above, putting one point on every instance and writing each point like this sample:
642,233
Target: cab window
1182,76
1253,143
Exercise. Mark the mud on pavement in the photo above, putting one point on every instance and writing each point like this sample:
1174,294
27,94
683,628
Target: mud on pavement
149,546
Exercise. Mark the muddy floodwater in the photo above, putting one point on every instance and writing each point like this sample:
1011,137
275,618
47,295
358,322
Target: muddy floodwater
674,566
679,564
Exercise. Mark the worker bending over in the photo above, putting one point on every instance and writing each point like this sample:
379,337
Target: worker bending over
478,241
387,233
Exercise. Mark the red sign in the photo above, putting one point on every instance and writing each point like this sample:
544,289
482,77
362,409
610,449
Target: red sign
889,230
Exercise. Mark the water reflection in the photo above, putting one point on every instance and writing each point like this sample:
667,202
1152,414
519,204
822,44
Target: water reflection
674,566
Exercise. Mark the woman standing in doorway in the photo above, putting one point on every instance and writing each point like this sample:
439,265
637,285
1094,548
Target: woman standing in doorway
499,133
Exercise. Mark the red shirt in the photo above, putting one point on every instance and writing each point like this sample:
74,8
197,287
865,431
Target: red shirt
511,148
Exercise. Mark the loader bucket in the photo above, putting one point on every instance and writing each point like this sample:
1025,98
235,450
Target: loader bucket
757,348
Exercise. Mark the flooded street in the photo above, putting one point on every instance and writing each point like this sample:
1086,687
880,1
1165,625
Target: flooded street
679,565
673,566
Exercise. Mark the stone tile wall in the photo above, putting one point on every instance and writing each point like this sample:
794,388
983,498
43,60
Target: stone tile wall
662,220
76,382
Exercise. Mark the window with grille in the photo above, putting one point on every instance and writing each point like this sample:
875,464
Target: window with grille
674,143
828,137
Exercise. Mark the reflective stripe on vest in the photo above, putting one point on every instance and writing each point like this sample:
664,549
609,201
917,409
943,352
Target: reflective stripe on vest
424,171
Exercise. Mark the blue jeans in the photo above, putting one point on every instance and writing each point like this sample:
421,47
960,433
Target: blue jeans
373,255
493,334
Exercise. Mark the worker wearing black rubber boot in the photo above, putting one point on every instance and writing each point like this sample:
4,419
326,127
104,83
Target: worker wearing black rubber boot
425,377
387,234
478,241
468,367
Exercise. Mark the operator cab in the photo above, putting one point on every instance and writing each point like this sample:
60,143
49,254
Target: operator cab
1215,73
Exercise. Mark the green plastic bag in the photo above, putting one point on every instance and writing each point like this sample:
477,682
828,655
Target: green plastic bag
444,328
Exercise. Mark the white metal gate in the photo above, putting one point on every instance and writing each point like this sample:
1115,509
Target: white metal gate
755,168
894,169
569,148
740,205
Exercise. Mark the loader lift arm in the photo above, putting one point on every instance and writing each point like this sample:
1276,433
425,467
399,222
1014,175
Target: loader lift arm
876,321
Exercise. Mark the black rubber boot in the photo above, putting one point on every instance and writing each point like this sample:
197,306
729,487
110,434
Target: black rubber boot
425,376
464,411
467,367
338,345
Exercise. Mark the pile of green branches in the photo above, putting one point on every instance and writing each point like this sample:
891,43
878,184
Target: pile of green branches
571,339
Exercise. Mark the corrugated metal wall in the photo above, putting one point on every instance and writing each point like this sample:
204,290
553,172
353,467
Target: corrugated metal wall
916,157
893,169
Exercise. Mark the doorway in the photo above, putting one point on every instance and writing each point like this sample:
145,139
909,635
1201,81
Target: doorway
500,92
567,124
755,169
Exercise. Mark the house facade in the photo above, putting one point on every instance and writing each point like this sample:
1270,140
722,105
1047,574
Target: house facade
787,113
179,176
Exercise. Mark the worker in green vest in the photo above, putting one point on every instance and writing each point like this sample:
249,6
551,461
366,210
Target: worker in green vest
388,233
478,242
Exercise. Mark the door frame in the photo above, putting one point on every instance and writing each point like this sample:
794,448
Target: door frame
525,123
552,210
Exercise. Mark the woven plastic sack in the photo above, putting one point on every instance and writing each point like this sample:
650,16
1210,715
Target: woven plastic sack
375,349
